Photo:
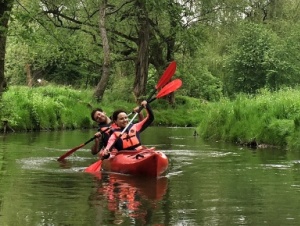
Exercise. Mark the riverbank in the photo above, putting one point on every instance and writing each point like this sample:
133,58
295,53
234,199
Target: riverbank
267,119
57,107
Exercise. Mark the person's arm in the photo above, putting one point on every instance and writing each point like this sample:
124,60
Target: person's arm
140,115
109,145
96,147
141,126
111,141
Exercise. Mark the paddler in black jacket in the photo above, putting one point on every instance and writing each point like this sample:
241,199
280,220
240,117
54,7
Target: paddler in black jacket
104,129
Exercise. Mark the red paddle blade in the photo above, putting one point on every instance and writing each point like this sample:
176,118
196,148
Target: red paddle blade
167,75
69,152
74,149
169,88
94,168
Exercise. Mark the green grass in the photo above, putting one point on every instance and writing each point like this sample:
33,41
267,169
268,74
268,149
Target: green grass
58,107
268,118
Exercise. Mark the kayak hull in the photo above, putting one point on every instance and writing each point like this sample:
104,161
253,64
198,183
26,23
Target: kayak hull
145,162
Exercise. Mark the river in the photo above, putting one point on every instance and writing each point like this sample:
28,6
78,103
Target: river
207,183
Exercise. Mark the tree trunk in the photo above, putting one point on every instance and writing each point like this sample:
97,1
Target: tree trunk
170,56
101,86
28,75
142,61
5,9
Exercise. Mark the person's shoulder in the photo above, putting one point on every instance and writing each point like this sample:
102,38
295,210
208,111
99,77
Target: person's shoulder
103,127
113,125
103,124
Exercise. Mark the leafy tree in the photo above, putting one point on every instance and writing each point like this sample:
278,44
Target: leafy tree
56,55
126,29
96,43
260,58
282,61
246,62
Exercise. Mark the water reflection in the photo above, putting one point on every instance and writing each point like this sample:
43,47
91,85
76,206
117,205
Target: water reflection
128,198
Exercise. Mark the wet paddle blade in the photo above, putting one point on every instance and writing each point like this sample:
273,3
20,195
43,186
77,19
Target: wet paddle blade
94,168
167,75
74,149
69,152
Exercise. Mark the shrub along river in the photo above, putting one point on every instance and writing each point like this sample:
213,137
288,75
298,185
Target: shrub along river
207,183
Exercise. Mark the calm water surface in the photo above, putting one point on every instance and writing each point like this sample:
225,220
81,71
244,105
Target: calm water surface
206,184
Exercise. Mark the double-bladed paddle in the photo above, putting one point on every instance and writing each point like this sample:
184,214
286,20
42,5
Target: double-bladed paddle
167,89
165,78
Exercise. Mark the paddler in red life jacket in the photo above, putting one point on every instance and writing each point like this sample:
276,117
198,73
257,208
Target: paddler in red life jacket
105,125
130,139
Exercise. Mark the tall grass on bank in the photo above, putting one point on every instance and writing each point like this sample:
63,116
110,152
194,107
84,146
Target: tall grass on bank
58,107
268,118
271,118
47,107
185,113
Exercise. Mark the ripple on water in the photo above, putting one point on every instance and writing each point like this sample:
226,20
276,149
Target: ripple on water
277,166
49,164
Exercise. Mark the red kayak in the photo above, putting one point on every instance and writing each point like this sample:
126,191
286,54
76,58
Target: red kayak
145,162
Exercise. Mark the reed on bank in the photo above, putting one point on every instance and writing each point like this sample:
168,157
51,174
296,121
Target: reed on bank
269,118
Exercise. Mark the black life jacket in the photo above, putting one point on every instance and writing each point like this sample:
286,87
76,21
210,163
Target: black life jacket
106,131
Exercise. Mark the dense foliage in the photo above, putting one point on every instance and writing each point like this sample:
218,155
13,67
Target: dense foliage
116,51
222,47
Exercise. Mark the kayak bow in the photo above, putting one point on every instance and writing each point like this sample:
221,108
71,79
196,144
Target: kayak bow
145,162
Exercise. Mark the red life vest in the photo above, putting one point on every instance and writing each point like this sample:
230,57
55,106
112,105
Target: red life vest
129,139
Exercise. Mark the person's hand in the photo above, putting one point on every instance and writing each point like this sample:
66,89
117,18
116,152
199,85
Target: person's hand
144,103
104,153
98,134
136,110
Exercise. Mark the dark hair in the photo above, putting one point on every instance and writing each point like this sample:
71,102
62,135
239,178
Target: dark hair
116,113
94,111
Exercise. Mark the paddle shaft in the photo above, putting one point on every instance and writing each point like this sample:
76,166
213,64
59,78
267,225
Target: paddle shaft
165,78
97,165
75,149
167,89
171,87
